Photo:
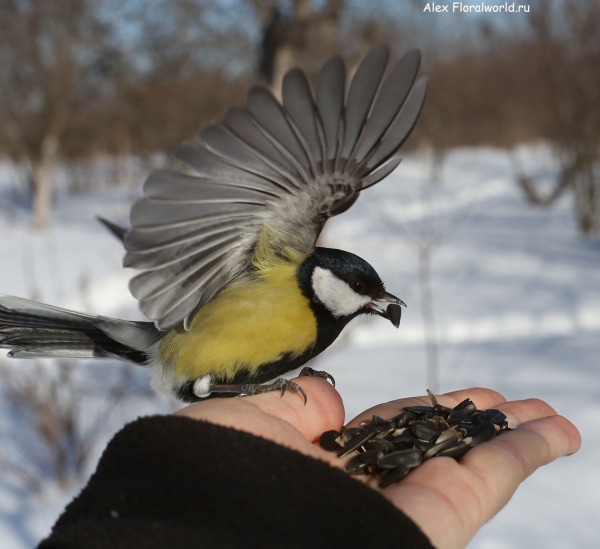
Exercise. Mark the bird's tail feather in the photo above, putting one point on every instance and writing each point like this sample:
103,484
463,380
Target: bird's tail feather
31,330
115,229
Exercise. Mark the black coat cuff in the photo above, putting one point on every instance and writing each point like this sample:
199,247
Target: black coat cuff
177,483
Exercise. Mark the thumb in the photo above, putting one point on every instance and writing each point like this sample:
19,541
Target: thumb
275,416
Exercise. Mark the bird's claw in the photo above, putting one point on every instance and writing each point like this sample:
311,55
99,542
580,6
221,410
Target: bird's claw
280,384
310,372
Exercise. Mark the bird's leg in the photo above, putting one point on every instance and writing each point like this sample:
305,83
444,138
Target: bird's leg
280,384
309,372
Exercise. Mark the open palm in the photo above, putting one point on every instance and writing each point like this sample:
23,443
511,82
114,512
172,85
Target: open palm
449,500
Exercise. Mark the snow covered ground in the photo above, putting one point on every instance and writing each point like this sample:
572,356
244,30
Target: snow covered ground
516,296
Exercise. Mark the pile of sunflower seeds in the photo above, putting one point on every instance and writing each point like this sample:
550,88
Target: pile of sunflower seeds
391,448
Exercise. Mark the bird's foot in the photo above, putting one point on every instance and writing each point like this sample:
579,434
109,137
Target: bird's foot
248,389
309,372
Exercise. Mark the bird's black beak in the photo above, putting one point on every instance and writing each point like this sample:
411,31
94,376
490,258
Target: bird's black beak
393,312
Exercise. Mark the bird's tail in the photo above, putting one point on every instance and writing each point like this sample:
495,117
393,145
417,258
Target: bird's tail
33,330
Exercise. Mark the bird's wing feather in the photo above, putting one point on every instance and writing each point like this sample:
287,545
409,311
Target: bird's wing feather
286,166
331,93
300,107
361,95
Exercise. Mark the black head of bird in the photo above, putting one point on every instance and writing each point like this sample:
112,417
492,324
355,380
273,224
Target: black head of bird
231,281
341,286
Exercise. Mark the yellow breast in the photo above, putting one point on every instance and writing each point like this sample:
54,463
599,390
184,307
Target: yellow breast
250,323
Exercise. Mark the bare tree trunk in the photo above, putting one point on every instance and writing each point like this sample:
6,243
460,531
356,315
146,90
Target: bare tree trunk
124,160
43,178
587,201
287,37
428,314
577,173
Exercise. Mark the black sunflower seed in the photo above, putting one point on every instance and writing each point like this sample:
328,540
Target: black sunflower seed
397,433
394,476
437,448
410,458
355,466
422,446
370,456
419,409
383,472
403,419
467,406
438,422
394,313
359,439
405,438
459,417
490,416
473,415
349,433
385,428
327,441
378,444
424,431
454,432
480,433
443,411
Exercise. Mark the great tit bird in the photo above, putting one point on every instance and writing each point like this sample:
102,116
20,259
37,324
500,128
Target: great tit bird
236,292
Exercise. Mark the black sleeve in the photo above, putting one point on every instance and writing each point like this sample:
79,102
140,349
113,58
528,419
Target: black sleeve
176,483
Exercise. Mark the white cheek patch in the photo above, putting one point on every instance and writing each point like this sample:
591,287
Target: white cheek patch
335,294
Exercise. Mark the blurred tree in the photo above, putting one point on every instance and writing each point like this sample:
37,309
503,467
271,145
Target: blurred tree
562,57
537,82
82,78
185,65
45,49
306,33
57,418
286,34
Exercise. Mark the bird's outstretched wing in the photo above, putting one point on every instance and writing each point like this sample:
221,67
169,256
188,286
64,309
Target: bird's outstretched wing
288,166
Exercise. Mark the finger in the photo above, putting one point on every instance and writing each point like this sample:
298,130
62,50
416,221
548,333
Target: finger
520,411
483,399
517,454
323,411
463,496
501,465
263,414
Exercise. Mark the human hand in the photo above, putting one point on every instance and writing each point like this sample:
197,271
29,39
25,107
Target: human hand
449,500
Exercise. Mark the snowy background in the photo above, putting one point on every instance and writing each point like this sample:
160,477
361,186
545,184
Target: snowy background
516,301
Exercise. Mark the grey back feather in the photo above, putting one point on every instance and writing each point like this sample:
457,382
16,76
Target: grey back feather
287,166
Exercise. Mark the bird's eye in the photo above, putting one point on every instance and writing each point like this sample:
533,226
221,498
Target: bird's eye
358,287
